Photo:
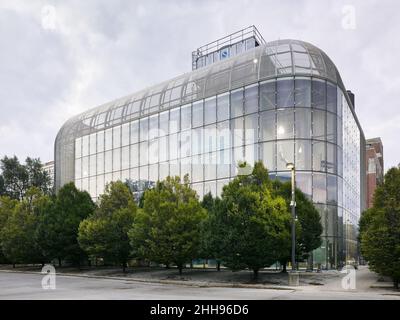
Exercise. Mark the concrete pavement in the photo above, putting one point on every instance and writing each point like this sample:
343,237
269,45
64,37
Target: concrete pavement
28,286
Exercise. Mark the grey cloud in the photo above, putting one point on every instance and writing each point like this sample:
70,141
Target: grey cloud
102,50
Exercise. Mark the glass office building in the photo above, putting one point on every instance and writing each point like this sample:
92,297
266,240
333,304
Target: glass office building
277,102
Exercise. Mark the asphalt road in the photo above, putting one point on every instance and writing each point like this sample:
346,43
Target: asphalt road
28,286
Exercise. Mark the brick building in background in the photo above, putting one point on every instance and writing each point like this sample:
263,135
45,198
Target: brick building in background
374,165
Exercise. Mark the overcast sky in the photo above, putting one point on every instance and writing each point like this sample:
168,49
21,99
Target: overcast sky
59,58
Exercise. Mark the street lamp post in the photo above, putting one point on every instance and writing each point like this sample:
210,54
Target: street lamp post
291,167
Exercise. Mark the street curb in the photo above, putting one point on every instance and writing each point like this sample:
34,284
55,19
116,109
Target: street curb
174,282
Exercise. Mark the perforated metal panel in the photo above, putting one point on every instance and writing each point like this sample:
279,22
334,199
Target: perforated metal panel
274,59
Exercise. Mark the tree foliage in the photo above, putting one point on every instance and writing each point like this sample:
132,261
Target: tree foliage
7,205
57,232
105,233
380,228
308,228
17,237
16,178
251,223
168,228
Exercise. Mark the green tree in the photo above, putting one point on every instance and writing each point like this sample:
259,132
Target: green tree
212,226
252,223
308,226
7,206
57,232
16,178
380,228
168,228
105,233
17,237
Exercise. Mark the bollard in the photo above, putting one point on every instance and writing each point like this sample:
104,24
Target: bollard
293,278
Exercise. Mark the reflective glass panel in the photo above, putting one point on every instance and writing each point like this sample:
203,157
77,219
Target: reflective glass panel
319,124
303,155
267,125
303,123
285,154
251,99
285,121
223,107
237,103
267,95
331,98
186,117
210,112
116,137
302,93
197,119
285,93
319,187
134,132
319,158
318,94
174,118
117,159
125,134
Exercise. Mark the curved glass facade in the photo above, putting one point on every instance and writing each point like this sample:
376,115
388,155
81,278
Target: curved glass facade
282,102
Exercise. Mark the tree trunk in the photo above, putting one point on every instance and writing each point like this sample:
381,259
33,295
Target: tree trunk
180,269
59,261
14,265
191,264
284,267
218,265
167,266
396,283
255,274
124,265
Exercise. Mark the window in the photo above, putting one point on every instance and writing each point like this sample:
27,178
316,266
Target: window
210,168
304,183
237,157
319,126
143,152
303,123
267,95
331,164
251,128
186,117
223,107
85,146
144,129
303,155
223,163
116,137
198,114
210,138
134,131
318,94
174,118
285,93
185,144
319,187
108,161
197,168
100,184
331,127
153,127
163,170
153,151
164,121
251,153
125,158
100,163
78,168
319,158
92,143
210,111
285,150
85,167
125,134
92,165
153,172
134,161
268,155
108,141
331,98
285,121
223,135
237,131
78,148
173,146
117,159
251,99
186,168
197,141
267,125
302,93
331,189
100,141
163,149
237,103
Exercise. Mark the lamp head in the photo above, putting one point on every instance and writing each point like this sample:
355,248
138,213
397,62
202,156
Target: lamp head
290,165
